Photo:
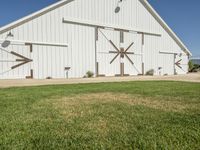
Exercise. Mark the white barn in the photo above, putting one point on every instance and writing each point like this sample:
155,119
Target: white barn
107,37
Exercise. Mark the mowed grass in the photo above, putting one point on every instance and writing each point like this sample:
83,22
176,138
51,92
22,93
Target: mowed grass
127,115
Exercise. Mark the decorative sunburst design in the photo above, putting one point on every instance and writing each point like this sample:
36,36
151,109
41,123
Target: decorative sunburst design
121,52
21,59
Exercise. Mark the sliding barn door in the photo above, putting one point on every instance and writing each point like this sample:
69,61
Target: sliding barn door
118,53
15,61
134,65
104,46
181,64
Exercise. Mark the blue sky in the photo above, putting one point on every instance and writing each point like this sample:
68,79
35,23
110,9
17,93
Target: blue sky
183,16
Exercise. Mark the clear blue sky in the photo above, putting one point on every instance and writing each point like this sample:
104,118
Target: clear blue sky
183,16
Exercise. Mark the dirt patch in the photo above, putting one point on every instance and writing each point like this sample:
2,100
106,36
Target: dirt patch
86,108
84,100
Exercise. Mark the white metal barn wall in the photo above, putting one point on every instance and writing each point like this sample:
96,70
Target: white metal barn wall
80,55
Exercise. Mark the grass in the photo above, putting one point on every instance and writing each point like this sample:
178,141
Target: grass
127,115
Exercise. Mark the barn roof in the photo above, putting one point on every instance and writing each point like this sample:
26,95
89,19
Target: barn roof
63,2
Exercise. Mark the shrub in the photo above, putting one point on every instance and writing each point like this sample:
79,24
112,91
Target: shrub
193,67
150,72
48,77
89,74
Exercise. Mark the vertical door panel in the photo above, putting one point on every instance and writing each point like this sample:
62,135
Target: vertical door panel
103,56
181,64
136,68
10,67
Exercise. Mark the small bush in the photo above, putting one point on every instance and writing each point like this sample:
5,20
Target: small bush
89,74
150,72
193,67
196,68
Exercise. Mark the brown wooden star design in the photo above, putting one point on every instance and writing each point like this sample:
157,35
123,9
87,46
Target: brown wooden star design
121,52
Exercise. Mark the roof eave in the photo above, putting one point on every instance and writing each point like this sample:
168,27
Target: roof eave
25,19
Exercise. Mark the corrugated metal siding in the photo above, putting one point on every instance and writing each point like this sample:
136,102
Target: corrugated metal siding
80,55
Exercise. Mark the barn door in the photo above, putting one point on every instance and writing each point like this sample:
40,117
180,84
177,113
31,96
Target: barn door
116,53
103,56
181,64
15,60
134,65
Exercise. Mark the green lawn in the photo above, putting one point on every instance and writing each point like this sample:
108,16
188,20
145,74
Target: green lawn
140,115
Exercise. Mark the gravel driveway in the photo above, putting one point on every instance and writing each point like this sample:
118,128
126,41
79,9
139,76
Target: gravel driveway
192,77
